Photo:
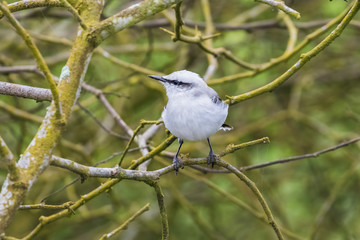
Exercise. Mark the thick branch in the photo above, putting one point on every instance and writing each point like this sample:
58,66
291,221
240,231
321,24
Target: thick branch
129,17
116,172
17,90
38,153
7,157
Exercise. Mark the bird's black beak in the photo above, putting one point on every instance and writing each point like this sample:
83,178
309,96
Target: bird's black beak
159,78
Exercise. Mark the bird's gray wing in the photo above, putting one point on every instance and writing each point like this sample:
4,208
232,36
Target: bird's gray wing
213,95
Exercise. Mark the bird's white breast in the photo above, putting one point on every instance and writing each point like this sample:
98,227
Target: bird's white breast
195,117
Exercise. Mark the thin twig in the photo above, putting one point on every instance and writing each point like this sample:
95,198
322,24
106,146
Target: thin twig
88,112
281,6
305,156
126,223
45,206
257,193
17,90
162,209
304,58
74,12
136,131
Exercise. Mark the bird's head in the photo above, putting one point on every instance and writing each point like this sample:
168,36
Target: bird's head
180,81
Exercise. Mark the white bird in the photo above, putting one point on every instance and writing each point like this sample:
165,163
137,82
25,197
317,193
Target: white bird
193,112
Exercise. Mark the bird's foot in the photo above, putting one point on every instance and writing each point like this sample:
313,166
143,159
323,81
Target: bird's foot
212,159
177,163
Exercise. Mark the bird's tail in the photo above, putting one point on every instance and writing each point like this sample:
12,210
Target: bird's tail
226,127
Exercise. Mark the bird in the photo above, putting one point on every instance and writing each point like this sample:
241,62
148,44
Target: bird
194,111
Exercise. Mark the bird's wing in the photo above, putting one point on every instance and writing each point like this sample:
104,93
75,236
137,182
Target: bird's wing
213,95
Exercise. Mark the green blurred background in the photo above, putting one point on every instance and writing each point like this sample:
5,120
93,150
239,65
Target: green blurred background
316,108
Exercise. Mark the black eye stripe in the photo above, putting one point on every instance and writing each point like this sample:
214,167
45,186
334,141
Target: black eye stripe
178,83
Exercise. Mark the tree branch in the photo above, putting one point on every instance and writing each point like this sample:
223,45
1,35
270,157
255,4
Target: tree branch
7,157
126,223
128,17
17,90
305,156
29,4
281,6
257,193
37,55
304,58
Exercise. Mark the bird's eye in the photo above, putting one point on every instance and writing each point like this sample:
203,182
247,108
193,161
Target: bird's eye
176,82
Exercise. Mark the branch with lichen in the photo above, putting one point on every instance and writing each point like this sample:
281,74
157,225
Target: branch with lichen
304,58
29,4
46,206
17,90
72,10
7,157
38,153
127,18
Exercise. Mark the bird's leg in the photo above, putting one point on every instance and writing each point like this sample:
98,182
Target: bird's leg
212,157
177,161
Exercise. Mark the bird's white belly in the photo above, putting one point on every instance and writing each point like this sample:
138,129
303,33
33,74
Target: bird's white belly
194,120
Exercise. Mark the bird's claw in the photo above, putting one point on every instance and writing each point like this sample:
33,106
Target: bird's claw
212,159
177,163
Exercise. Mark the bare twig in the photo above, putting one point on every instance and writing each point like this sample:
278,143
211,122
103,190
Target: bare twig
136,131
257,193
281,6
126,223
74,12
88,112
45,206
162,209
304,58
305,156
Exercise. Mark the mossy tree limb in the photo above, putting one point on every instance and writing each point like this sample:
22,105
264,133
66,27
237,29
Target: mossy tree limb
36,157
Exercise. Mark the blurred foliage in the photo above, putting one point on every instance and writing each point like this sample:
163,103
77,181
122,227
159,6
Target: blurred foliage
315,109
